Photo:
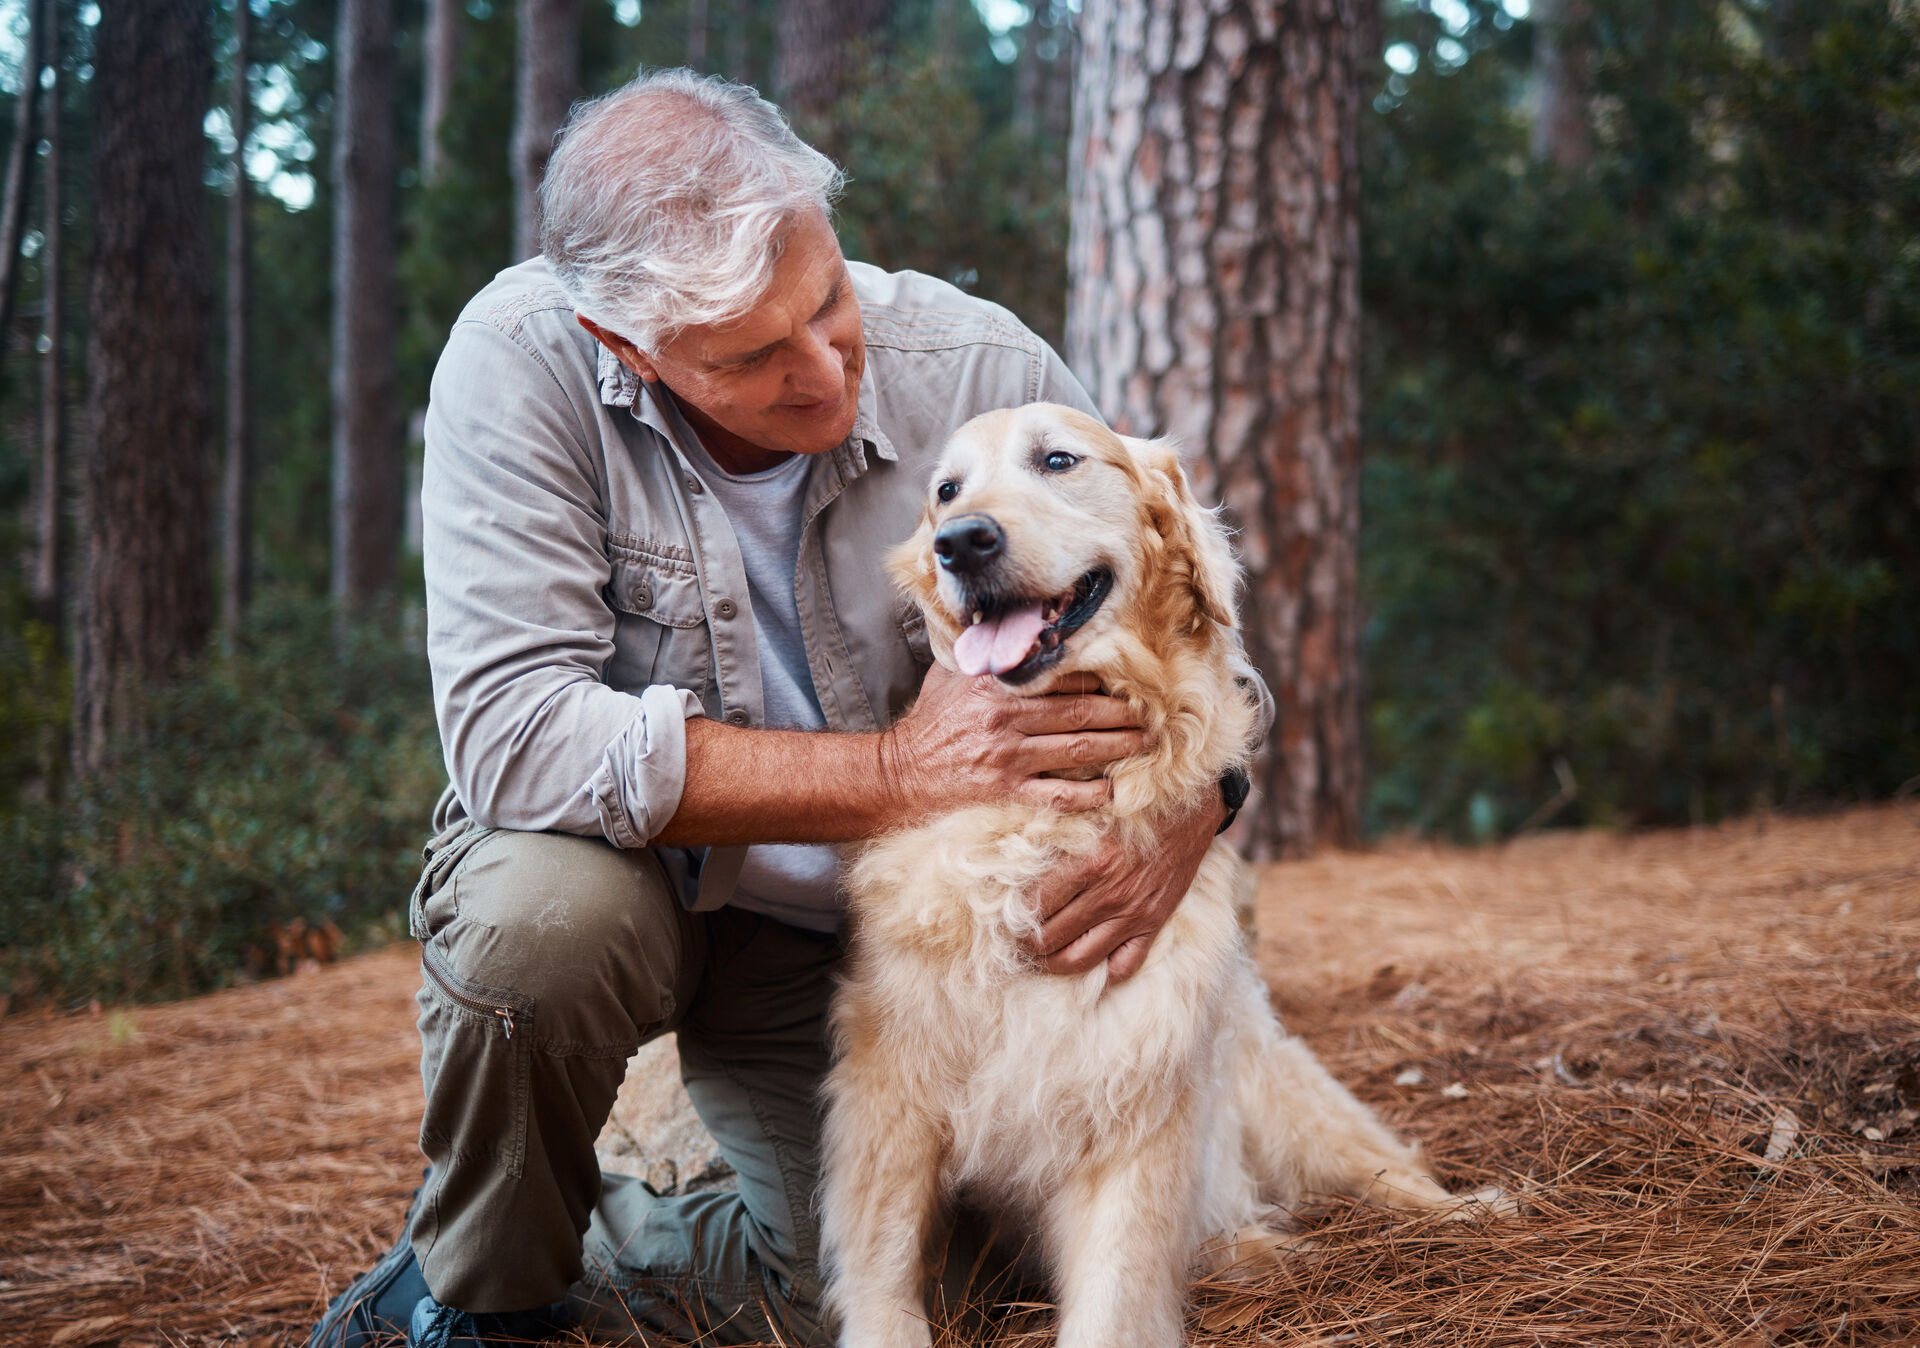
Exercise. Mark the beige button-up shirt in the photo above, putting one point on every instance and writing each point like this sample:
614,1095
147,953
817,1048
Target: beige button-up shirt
585,594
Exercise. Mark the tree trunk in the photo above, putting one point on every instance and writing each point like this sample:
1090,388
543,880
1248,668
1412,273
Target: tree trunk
13,203
697,35
1562,84
547,76
1043,77
366,429
45,584
815,40
146,514
440,68
236,555
740,18
1214,296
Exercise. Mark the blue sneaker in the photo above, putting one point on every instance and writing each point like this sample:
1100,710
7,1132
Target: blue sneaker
437,1326
377,1306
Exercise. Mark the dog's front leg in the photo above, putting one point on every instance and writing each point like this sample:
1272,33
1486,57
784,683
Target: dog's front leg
878,1199
1121,1237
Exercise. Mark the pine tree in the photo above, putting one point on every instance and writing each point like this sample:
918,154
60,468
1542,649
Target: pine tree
1214,297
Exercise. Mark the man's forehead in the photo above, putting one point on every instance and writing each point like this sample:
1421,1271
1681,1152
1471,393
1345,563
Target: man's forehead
808,274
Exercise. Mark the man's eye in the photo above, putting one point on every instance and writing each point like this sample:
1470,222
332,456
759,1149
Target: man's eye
947,491
1059,461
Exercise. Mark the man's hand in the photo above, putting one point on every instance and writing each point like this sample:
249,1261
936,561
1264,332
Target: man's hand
972,740
1111,907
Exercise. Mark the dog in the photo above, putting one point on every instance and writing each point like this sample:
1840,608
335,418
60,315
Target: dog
1147,1129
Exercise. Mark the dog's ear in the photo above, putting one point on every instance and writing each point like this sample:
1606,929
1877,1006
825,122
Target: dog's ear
912,567
1194,545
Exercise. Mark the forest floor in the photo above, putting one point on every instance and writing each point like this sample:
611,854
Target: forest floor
1695,1053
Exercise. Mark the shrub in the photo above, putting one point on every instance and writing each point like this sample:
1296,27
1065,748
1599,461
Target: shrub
284,780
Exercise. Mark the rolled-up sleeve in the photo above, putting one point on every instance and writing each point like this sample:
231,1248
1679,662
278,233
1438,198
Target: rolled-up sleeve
518,626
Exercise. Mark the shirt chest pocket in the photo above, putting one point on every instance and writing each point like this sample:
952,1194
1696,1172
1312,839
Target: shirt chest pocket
660,630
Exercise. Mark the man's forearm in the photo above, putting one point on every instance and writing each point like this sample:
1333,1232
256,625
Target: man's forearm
762,786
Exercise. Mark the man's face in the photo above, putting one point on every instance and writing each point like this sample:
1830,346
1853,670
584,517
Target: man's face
784,379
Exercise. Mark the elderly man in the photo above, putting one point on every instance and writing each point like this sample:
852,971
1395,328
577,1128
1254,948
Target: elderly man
664,462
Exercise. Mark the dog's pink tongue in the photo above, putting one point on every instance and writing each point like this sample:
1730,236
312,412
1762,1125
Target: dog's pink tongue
998,644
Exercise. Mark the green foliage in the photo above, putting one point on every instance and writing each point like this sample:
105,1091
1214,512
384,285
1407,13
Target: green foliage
1642,484
1643,480
932,111
282,781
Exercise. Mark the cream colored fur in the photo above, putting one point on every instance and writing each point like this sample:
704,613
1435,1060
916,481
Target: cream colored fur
1147,1128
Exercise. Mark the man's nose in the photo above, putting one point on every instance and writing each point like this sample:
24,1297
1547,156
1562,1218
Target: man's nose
823,366
967,543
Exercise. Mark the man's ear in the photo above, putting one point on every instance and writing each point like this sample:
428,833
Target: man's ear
1195,544
625,351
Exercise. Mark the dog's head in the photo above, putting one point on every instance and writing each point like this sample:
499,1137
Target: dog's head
1052,545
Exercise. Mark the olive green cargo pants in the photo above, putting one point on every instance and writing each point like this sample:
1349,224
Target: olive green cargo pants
548,959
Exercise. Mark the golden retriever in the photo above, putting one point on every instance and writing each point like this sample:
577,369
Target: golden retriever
1144,1128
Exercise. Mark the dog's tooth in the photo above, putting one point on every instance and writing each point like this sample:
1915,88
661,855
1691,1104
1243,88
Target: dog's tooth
978,617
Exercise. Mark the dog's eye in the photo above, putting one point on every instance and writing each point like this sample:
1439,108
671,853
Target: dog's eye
1059,461
947,490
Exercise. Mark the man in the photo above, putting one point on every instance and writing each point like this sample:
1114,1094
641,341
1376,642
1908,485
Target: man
664,463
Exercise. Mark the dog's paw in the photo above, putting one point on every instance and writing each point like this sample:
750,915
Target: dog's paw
1489,1203
1252,1251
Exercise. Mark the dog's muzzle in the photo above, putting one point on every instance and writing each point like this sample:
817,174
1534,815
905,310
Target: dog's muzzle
967,544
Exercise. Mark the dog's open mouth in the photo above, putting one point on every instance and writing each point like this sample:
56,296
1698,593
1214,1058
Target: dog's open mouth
1015,638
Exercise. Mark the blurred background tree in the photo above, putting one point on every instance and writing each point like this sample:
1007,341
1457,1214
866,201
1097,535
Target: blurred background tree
1642,484
1639,525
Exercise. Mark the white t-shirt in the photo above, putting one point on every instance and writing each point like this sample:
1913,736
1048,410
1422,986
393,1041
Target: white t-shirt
798,883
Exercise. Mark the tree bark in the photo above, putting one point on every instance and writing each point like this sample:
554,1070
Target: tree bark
366,428
697,35
236,553
1043,78
146,515
1563,84
13,203
1214,297
441,68
45,587
546,78
740,17
815,38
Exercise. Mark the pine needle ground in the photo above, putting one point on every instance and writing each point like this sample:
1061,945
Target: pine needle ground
1695,1055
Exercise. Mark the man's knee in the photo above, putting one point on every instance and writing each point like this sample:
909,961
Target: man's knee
590,934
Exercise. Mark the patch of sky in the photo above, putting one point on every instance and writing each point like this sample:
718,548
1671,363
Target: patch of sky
1448,54
13,43
1001,17
219,128
292,190
1454,15
1518,9
276,96
1403,58
627,13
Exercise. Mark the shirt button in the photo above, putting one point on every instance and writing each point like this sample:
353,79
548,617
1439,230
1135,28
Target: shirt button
641,596
693,484
736,717
725,608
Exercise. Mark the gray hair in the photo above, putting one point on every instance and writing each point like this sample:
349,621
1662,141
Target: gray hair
668,201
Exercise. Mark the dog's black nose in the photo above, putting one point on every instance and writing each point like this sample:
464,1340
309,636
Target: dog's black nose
966,543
